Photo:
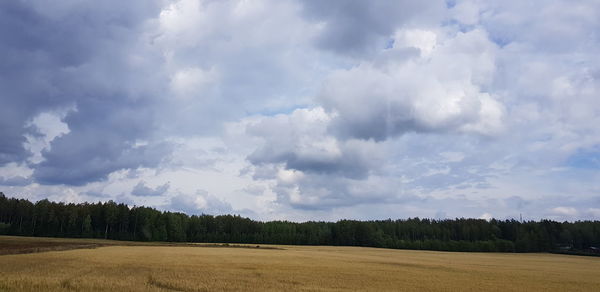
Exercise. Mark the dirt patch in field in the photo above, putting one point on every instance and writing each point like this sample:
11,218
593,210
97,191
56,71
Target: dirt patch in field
23,245
41,246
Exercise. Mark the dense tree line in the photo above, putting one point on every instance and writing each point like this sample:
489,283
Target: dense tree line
118,221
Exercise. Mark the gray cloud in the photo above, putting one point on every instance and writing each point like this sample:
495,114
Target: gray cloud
15,181
75,163
199,203
326,192
142,190
418,94
102,139
77,56
558,27
357,27
300,142
98,195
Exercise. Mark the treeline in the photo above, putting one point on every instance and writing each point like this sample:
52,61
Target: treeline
118,221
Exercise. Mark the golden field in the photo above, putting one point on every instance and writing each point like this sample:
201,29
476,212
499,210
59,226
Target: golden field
123,266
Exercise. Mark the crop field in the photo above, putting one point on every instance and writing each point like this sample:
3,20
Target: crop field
98,265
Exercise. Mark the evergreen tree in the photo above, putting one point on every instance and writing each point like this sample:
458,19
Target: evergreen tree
118,221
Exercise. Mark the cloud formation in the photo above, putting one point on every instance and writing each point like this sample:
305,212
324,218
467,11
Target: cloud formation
92,60
442,89
15,181
305,110
141,189
358,28
199,203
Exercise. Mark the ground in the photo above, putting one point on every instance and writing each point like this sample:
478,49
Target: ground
124,266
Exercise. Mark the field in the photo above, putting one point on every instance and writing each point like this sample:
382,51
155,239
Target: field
84,265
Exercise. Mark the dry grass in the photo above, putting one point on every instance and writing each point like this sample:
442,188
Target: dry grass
187,268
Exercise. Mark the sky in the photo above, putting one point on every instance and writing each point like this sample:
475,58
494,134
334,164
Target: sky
303,109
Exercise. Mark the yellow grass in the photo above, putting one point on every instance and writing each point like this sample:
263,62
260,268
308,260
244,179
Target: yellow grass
185,268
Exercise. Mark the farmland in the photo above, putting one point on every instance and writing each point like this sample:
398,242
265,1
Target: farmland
125,266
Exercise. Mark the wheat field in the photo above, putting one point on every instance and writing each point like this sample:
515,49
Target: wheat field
117,267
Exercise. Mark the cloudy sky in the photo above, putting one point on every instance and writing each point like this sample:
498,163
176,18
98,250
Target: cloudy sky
305,110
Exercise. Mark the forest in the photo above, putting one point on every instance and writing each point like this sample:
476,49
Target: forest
111,220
